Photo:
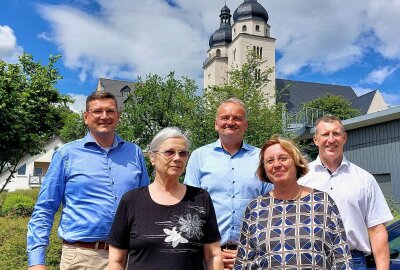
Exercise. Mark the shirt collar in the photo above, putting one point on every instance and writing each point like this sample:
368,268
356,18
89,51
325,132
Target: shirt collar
344,164
90,140
218,146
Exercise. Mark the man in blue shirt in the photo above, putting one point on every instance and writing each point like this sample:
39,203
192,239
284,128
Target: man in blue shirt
227,170
88,177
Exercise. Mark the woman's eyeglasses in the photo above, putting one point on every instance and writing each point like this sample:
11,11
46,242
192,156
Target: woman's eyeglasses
172,153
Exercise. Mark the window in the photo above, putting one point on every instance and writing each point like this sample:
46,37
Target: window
125,91
257,28
22,170
218,52
37,171
244,28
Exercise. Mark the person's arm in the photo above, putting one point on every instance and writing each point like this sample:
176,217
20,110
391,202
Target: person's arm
48,202
245,253
380,246
117,258
213,256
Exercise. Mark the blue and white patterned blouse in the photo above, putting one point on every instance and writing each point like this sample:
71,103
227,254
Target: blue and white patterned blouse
307,233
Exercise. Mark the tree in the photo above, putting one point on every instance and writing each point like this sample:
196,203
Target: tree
246,83
73,126
335,105
29,109
157,103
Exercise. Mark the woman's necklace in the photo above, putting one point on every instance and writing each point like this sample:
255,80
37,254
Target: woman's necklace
298,194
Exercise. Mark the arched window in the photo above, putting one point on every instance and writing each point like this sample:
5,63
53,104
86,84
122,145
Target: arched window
260,52
244,28
218,52
257,28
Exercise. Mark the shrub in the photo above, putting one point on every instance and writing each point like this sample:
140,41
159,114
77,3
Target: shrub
19,203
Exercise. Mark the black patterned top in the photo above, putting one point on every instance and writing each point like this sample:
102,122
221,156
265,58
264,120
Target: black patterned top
307,233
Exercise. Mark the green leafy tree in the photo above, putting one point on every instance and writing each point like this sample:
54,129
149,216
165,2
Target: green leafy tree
29,109
73,126
157,103
335,105
246,83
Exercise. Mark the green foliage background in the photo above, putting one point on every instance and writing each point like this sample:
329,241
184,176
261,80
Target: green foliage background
13,234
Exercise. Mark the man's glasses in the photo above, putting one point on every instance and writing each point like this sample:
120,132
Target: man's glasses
172,153
99,113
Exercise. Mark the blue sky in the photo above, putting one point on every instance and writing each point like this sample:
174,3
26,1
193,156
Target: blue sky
354,43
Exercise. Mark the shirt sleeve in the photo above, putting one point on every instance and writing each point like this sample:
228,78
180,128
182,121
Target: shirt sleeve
192,175
48,202
246,246
378,212
119,234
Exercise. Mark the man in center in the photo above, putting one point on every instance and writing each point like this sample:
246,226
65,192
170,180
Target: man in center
227,170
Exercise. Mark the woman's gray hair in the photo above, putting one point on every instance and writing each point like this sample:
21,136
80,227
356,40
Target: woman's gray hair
165,134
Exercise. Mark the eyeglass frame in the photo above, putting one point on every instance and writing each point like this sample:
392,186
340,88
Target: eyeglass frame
109,112
187,153
281,160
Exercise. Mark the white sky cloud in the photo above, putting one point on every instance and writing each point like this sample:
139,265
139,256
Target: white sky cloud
379,75
79,104
130,38
9,49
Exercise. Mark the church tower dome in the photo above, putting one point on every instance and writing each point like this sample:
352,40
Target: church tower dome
223,36
250,9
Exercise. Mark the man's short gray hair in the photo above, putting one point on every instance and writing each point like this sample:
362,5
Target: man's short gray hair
329,118
236,101
165,134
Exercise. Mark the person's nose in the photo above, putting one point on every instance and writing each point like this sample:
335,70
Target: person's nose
331,138
230,121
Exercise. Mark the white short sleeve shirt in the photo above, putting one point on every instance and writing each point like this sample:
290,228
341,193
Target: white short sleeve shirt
358,196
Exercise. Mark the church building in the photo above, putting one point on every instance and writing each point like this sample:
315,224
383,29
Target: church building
229,47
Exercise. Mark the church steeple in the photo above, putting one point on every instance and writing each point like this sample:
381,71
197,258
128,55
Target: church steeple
223,36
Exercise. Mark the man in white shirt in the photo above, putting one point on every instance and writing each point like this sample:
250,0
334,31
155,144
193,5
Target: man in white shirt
361,204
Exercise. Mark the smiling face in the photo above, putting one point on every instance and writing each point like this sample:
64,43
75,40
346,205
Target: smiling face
330,139
279,165
231,121
101,117
174,166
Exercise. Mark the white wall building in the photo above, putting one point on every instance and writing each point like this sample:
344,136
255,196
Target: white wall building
32,169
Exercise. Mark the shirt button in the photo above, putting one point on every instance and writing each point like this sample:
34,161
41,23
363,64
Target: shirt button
233,196
233,168
233,181
233,211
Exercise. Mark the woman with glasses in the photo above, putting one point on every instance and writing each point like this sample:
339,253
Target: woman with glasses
292,227
166,225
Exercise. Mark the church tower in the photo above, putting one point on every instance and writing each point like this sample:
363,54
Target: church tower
250,30
216,64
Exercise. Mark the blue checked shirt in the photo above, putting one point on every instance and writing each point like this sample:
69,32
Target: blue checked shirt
89,182
231,182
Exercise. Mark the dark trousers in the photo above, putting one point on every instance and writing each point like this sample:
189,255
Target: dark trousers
359,261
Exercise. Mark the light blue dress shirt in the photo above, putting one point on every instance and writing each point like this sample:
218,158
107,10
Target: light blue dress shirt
231,182
89,182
